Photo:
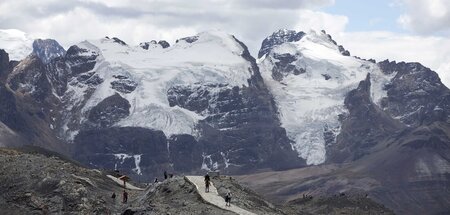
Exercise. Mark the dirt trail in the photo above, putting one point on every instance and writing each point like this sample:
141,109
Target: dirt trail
129,186
213,197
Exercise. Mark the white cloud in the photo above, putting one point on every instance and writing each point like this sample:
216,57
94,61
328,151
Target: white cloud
430,51
333,24
134,21
425,16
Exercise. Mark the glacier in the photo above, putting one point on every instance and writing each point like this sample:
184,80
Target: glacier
213,57
310,101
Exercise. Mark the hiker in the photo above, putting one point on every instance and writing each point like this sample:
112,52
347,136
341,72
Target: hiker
113,197
156,180
228,199
125,196
207,182
165,175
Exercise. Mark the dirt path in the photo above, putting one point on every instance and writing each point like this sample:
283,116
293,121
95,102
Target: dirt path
116,206
129,186
213,197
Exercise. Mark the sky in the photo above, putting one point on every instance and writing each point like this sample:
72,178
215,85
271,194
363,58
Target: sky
401,30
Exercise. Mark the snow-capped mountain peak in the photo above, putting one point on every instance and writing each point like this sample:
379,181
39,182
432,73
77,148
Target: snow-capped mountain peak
279,37
208,58
309,78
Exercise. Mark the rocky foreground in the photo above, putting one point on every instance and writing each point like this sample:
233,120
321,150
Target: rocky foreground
40,182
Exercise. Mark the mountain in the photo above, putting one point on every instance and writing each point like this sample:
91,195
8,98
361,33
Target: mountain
309,77
204,104
380,129
198,104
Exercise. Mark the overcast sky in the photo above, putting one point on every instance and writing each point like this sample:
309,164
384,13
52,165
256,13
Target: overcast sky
409,30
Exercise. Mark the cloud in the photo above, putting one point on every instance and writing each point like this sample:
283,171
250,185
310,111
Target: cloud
424,16
134,21
333,24
430,51
282,4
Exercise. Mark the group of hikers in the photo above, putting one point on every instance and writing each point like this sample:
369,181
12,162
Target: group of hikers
125,193
208,183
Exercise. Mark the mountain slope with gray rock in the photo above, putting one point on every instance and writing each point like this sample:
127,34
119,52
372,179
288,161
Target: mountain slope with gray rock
37,181
410,166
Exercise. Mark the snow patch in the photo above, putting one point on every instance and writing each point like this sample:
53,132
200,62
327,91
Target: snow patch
208,164
226,161
137,160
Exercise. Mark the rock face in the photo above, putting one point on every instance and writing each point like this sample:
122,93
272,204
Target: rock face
29,78
135,150
278,38
81,60
4,65
109,111
47,50
153,44
416,95
9,115
364,126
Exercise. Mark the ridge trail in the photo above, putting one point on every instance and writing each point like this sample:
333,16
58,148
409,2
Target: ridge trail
213,196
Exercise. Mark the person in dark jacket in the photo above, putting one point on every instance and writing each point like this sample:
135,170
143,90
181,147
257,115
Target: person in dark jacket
228,199
207,182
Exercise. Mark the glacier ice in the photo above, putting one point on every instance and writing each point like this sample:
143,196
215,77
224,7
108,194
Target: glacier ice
312,101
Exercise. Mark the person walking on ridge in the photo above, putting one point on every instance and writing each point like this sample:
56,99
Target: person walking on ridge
228,199
207,182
